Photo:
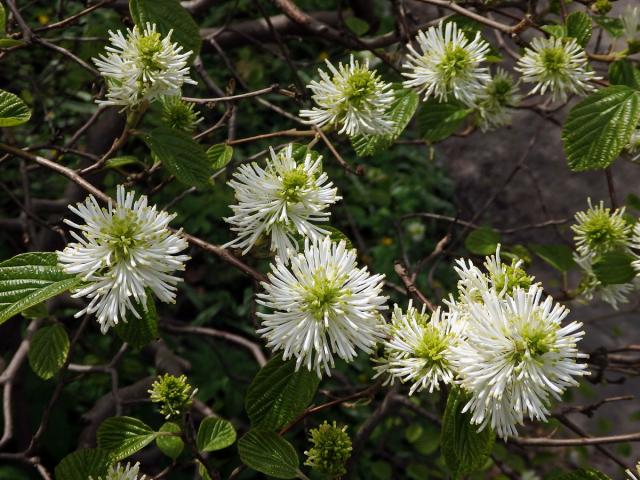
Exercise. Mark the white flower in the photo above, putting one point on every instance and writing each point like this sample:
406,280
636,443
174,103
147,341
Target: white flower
120,472
598,230
322,305
558,65
353,98
633,147
283,201
448,64
419,349
633,476
631,23
120,252
142,66
494,101
516,355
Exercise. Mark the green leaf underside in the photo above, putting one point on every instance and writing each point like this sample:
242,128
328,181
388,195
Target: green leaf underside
82,464
401,111
579,27
598,128
215,434
138,332
220,155
124,436
268,453
482,241
170,445
624,72
559,257
278,393
13,111
614,268
168,15
181,156
464,449
48,350
29,279
437,121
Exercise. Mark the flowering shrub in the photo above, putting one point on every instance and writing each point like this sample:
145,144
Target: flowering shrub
232,246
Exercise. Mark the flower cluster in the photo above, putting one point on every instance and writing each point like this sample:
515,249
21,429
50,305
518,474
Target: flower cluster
499,340
173,393
599,231
352,98
121,253
494,102
558,65
121,472
142,66
283,201
331,449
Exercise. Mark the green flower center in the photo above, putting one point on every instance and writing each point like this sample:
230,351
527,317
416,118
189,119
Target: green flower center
293,182
601,233
532,343
148,47
324,296
554,60
123,233
432,346
455,63
361,85
511,278
499,90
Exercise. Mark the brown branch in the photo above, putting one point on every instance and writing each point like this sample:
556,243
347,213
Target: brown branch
412,290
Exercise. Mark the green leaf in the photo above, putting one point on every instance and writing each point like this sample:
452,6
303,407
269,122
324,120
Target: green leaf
579,27
598,128
357,25
181,155
624,72
8,43
559,257
124,436
219,155
215,434
170,445
401,111
123,161
29,279
612,25
278,393
581,474
48,350
268,453
614,268
168,15
437,121
558,31
337,235
13,111
482,241
464,449
138,332
3,21
82,464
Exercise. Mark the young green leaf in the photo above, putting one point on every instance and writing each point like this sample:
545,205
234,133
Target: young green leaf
612,25
29,279
278,393
439,120
170,445
48,350
219,155
138,332
482,241
559,257
558,31
401,111
614,268
168,15
215,434
465,450
624,72
123,161
579,27
181,155
598,128
124,436
268,453
13,111
82,464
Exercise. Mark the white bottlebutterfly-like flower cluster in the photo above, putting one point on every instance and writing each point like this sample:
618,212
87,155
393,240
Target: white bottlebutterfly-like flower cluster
122,472
557,65
448,64
494,102
322,304
600,230
142,65
351,98
120,252
499,340
283,201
